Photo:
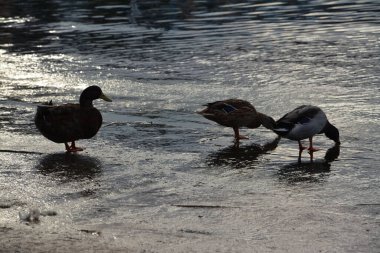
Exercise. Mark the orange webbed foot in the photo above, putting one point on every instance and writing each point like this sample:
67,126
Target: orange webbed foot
75,149
312,149
72,148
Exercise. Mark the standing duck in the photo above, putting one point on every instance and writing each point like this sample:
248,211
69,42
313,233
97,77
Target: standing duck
305,122
71,122
236,113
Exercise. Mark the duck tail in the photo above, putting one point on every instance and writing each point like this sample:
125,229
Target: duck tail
203,112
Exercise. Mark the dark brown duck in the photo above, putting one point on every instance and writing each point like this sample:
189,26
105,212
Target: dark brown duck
71,122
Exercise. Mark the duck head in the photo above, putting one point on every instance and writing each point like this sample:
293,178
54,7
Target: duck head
267,121
90,94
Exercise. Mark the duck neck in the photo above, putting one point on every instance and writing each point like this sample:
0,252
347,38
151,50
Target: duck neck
332,132
85,102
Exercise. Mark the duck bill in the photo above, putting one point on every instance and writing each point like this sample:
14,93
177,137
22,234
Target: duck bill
104,97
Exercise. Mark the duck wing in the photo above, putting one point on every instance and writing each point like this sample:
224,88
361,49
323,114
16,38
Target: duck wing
230,105
301,123
301,115
231,113
67,122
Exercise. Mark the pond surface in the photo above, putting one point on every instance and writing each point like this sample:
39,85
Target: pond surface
160,178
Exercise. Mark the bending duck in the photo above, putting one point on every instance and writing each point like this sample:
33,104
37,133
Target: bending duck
71,122
236,113
305,122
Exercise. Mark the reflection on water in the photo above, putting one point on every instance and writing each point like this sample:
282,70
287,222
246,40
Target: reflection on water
313,172
304,172
240,157
110,29
332,153
68,167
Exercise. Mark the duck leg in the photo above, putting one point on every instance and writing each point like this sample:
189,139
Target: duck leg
311,149
72,148
237,135
301,148
67,147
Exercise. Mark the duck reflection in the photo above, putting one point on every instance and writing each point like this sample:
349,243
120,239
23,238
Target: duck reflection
240,157
304,172
332,153
69,167
313,172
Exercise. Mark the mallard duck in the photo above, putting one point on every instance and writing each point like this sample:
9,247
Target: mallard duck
236,113
305,122
71,122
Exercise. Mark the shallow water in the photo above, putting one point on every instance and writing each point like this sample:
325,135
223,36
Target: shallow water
158,177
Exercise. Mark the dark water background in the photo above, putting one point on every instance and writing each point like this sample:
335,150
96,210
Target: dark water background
160,178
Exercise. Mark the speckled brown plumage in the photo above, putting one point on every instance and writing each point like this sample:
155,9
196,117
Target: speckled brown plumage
236,113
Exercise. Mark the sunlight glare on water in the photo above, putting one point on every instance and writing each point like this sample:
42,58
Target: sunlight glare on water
158,176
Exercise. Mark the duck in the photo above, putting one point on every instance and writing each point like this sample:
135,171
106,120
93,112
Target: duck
304,122
236,113
71,122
